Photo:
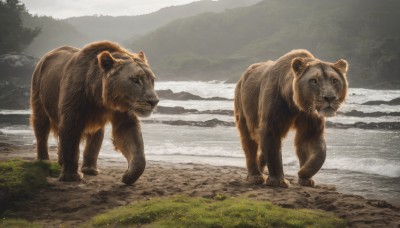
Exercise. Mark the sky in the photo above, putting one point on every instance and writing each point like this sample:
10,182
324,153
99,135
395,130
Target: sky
61,9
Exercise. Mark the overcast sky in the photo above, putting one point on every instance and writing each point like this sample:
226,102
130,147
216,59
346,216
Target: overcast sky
71,8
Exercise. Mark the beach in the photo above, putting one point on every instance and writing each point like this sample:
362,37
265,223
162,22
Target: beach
73,203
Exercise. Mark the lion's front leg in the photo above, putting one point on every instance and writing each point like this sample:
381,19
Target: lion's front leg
68,146
310,148
128,139
270,145
91,152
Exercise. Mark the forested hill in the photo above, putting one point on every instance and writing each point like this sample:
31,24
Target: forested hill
53,33
124,28
221,45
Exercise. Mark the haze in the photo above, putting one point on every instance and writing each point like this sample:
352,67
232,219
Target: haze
61,9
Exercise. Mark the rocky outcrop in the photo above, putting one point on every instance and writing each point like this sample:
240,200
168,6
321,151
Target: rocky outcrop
181,110
168,94
363,125
356,113
15,77
207,123
395,101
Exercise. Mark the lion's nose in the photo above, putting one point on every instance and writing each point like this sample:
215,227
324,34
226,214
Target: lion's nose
329,99
153,102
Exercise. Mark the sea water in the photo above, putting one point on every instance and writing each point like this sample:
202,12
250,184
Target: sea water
364,162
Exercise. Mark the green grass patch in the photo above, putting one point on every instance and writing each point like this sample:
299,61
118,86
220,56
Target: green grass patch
183,211
17,223
21,179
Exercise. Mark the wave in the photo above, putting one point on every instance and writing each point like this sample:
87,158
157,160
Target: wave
220,89
202,89
377,166
359,96
8,131
15,112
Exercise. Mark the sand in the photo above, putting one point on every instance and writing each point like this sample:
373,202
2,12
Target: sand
71,204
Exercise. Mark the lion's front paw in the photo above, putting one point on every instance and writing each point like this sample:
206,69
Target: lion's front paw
92,171
256,179
277,182
69,176
128,178
308,182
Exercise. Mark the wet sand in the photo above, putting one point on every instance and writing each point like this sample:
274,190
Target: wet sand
71,204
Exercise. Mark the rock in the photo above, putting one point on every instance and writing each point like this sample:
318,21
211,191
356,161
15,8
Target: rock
174,110
16,68
181,110
356,113
15,77
363,125
209,123
395,101
168,94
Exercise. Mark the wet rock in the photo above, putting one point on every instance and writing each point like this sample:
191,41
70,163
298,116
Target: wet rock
168,94
395,101
356,113
363,125
182,110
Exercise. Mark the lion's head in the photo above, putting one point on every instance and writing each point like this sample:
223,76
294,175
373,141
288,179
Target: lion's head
319,87
128,83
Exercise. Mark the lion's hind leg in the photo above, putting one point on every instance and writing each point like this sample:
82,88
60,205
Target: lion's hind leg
91,152
250,147
41,127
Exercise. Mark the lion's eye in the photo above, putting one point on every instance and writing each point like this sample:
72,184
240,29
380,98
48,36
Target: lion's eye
135,80
334,81
313,81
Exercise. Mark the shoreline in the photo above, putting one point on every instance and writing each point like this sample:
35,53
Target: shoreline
72,203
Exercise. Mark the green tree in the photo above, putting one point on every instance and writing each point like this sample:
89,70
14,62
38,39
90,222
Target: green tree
14,37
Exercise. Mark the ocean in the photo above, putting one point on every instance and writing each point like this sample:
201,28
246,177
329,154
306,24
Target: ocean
359,161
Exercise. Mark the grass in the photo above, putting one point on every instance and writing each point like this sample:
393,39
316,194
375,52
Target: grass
20,179
17,223
183,211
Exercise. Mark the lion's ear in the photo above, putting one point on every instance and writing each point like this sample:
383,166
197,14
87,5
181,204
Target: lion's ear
106,61
342,65
299,66
142,56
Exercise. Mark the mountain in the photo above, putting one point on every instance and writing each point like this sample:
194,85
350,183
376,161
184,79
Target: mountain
53,33
221,45
124,28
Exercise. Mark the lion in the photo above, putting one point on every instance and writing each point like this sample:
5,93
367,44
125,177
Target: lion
75,92
296,91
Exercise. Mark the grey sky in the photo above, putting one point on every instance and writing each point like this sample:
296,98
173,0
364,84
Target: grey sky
70,8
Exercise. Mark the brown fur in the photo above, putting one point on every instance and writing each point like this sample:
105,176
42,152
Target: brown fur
295,91
75,92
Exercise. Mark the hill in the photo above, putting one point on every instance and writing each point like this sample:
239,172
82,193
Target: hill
53,33
124,28
221,45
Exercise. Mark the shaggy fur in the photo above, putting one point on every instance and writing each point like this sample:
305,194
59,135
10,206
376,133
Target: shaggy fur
75,92
295,91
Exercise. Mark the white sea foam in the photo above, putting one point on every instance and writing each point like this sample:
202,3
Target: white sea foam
203,89
16,130
220,89
16,112
377,166
190,117
359,96
199,105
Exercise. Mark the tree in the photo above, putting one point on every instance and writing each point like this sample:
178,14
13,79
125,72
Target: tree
13,36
